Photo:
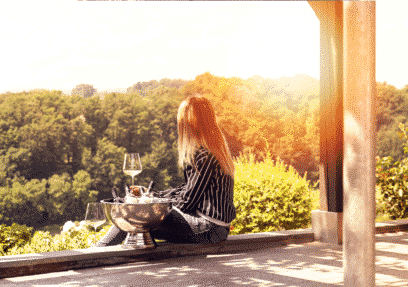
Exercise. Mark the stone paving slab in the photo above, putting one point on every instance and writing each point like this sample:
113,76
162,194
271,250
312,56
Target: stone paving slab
307,264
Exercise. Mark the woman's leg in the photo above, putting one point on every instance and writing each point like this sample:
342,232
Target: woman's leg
114,236
217,233
174,228
179,227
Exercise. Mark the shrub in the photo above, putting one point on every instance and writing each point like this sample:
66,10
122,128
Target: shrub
13,236
269,196
392,183
45,242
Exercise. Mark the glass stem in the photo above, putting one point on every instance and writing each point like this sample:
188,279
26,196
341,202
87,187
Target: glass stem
94,237
133,180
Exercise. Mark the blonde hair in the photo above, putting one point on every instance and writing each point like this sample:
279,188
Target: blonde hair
198,127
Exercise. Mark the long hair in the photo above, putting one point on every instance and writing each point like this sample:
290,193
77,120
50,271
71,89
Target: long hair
198,127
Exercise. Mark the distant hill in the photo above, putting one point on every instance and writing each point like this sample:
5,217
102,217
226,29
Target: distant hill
106,91
292,92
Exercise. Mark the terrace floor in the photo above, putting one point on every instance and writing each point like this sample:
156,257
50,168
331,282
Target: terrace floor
292,264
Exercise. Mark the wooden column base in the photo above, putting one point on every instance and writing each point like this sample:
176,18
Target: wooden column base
327,226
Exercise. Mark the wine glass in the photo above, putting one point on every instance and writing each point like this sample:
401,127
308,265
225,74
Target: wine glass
95,216
132,165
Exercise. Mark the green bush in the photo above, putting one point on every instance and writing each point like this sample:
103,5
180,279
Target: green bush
269,196
45,242
392,183
392,187
13,236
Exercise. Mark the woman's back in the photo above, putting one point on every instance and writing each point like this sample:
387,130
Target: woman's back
208,190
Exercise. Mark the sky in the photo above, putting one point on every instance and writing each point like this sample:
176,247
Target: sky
57,45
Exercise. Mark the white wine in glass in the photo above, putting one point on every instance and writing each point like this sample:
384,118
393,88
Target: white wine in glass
95,216
132,165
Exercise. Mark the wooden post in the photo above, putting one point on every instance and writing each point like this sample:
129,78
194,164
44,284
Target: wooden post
359,143
327,222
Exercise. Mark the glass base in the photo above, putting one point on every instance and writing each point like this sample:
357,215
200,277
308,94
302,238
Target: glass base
139,241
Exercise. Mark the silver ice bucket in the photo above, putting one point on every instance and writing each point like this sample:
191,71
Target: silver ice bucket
137,218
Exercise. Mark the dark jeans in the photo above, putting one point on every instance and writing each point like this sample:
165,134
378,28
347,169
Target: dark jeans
177,227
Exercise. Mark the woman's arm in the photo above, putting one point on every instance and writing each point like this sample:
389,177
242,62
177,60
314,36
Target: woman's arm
169,193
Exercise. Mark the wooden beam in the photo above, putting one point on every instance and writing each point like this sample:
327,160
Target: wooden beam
330,14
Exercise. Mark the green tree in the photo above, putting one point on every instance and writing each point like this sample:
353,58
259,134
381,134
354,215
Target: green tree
59,152
143,87
160,160
392,109
54,133
94,110
84,90
105,168
24,202
390,102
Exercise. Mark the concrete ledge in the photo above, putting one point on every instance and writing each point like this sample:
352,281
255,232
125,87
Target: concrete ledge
391,226
40,263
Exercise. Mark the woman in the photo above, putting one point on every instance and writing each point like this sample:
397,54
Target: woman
203,207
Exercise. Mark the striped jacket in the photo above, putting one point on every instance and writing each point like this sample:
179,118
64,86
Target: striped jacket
208,191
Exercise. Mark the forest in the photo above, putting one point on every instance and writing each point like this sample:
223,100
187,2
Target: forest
59,152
